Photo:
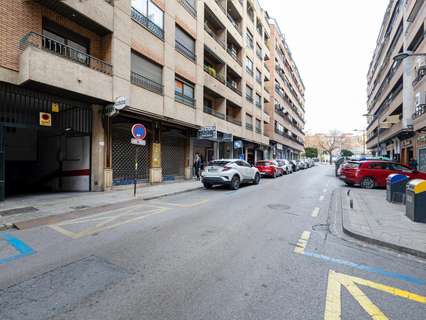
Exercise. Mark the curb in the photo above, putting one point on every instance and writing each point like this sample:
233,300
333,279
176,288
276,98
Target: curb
42,220
360,236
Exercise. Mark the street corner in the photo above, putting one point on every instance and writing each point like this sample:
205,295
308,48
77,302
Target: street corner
12,248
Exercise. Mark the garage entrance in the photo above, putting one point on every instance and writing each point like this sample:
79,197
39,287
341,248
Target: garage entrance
36,158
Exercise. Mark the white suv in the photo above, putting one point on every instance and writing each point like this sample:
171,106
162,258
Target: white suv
231,172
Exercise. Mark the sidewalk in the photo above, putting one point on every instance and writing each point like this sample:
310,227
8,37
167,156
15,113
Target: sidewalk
377,221
25,208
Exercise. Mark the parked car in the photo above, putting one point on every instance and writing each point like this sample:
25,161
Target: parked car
285,165
294,165
301,164
269,168
230,172
373,173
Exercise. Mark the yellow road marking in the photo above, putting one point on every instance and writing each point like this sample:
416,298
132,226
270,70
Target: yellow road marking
333,299
316,212
302,242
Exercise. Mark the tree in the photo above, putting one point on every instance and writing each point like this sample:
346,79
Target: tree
331,142
347,153
311,152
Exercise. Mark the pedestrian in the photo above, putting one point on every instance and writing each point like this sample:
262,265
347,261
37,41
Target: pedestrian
413,163
197,165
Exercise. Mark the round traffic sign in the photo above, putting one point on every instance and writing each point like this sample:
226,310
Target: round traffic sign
139,131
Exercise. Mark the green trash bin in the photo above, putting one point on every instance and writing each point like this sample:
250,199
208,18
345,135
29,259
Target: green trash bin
415,205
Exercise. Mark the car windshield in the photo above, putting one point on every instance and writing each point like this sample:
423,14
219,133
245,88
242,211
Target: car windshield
352,165
264,163
218,163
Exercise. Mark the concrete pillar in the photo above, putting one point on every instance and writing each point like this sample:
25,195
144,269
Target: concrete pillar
216,150
189,150
155,171
98,178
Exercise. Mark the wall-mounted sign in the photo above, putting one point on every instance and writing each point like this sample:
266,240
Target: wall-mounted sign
138,131
45,119
279,146
238,144
208,133
138,142
55,107
120,103
227,137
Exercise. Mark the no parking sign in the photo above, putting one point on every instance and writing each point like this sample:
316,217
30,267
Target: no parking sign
138,131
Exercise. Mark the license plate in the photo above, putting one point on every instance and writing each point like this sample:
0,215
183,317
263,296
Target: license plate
212,170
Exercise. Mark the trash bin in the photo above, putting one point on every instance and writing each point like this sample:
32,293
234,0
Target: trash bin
395,188
415,206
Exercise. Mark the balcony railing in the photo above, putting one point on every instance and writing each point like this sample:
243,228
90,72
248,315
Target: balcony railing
259,130
233,120
188,7
234,23
190,102
33,39
213,112
214,36
234,88
420,110
249,98
185,51
259,54
249,126
259,104
250,71
146,83
219,3
212,72
147,24
234,55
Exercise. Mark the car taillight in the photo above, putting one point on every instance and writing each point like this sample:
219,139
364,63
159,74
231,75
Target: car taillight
225,168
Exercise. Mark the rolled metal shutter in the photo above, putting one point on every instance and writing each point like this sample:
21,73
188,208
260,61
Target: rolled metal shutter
173,154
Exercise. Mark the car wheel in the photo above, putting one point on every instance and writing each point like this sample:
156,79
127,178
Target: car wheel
256,178
207,185
235,183
349,184
368,183
274,175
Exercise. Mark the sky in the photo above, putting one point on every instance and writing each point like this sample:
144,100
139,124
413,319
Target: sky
332,43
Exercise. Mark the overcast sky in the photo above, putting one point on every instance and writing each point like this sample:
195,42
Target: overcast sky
332,42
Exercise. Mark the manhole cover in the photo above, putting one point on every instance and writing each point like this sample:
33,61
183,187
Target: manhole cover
321,227
17,211
278,206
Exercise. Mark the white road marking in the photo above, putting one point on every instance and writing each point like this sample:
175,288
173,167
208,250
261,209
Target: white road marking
321,198
324,190
316,212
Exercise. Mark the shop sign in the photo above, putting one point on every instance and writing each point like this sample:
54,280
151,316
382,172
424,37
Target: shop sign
279,146
227,137
208,133
120,103
45,119
138,142
238,144
421,140
55,107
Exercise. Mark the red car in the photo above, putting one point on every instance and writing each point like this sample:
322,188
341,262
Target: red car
371,173
269,168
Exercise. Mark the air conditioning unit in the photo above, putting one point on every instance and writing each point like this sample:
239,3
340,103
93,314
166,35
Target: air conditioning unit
420,98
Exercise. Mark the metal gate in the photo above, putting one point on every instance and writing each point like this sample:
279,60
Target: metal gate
123,156
2,159
173,153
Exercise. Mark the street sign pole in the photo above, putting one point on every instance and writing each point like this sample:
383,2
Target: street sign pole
139,133
136,169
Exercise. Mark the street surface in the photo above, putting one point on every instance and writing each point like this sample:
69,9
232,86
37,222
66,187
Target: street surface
272,251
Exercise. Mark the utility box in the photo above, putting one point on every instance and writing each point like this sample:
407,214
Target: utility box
415,206
395,188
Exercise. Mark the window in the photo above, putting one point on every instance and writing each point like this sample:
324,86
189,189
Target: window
249,122
259,51
379,166
258,126
249,65
249,39
146,74
258,101
398,167
149,15
184,92
185,44
258,76
279,128
249,94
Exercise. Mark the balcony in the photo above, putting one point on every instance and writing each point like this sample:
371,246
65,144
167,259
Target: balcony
146,83
233,53
249,98
44,60
233,120
185,51
231,85
258,130
421,72
188,101
249,126
212,34
213,112
189,7
95,15
420,110
147,24
259,104
213,73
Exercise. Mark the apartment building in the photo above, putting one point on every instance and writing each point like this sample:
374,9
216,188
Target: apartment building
396,88
286,107
192,72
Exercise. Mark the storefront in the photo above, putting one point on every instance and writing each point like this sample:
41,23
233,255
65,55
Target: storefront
421,151
45,142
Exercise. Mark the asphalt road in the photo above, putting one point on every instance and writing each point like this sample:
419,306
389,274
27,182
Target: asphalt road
272,251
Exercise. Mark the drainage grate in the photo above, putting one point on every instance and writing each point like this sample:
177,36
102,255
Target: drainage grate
278,206
80,207
17,211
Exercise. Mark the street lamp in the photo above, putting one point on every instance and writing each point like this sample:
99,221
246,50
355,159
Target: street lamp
403,55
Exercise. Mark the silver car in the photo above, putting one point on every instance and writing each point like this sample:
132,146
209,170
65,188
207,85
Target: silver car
230,172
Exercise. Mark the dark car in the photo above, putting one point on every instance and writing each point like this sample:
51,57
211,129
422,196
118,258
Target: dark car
372,173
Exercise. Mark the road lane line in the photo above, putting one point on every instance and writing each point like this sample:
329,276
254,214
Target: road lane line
302,242
19,245
324,190
321,198
316,212
398,276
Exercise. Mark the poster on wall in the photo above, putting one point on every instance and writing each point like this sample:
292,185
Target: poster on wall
422,160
